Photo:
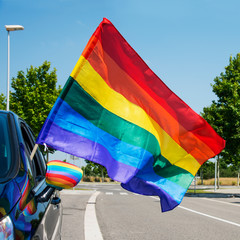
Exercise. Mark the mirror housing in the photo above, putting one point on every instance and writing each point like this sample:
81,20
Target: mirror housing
62,175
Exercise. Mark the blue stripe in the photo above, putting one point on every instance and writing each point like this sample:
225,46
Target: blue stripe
147,182
75,176
174,190
72,121
64,169
85,148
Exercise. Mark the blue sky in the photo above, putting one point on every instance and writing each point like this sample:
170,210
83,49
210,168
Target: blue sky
186,43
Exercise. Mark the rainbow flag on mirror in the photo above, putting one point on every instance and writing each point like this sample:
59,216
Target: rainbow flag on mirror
115,111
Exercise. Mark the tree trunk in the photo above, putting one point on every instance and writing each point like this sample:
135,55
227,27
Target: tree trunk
102,175
201,176
238,177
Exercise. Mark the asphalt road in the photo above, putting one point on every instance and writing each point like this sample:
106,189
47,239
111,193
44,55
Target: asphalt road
123,215
74,206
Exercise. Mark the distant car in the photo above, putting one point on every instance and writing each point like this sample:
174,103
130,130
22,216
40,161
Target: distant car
29,209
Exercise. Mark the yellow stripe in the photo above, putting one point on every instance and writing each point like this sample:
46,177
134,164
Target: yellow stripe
114,102
58,184
65,166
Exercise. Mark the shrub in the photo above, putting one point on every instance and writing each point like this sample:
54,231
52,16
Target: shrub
212,182
97,179
234,183
86,179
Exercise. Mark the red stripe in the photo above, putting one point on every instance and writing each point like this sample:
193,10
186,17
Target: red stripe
59,177
135,94
128,60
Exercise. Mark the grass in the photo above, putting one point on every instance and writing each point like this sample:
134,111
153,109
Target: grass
95,179
197,191
223,182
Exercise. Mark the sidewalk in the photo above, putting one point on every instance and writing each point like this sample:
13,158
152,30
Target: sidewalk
230,190
209,191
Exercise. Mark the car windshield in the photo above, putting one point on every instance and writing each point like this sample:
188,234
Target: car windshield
5,148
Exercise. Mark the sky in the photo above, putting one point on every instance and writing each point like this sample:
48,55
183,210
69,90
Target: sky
186,43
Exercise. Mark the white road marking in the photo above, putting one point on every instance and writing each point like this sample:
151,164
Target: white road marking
206,215
91,227
213,200
109,193
123,193
209,216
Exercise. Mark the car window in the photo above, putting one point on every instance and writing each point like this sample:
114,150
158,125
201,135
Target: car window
37,164
5,148
41,159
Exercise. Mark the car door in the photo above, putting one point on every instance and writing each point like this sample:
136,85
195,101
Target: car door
31,181
50,225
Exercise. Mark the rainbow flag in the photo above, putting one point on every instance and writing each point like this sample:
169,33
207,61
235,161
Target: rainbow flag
115,111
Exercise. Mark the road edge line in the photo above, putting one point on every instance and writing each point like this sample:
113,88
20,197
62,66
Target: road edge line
91,227
210,216
206,215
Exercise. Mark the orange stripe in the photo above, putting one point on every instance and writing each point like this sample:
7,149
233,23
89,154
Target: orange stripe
60,181
113,75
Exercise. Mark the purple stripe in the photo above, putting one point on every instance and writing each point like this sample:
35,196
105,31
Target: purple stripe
65,141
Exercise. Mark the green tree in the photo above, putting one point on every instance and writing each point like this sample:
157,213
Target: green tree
224,113
207,170
34,94
2,102
94,169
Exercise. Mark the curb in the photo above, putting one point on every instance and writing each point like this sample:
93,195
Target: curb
213,195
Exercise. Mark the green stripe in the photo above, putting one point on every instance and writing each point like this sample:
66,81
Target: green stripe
74,95
90,109
175,174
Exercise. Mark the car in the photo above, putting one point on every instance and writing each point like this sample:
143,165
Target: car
29,208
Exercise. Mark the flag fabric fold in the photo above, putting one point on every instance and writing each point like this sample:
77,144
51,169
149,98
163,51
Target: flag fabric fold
115,111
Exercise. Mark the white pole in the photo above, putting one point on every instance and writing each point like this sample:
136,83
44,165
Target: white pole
10,28
238,178
8,77
215,182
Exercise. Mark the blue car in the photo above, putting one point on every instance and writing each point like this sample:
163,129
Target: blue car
29,208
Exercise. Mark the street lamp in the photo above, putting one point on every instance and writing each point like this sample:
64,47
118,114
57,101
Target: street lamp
10,28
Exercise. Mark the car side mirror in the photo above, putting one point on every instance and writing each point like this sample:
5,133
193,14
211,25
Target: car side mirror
62,175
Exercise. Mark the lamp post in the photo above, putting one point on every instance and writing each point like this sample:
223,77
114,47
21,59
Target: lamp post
10,28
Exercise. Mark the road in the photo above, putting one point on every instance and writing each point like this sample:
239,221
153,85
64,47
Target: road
122,215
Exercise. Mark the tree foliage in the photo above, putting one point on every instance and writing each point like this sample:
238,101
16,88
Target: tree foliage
224,114
94,169
207,170
2,102
34,94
